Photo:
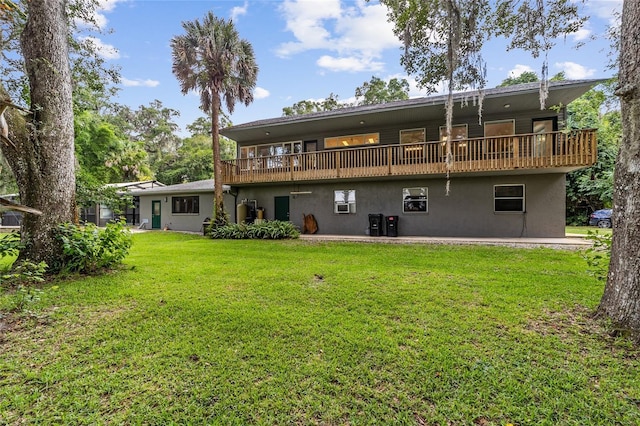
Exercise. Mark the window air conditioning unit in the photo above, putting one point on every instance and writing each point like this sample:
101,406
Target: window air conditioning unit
342,208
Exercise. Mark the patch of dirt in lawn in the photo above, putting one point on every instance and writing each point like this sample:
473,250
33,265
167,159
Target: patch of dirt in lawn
579,322
4,327
576,320
48,327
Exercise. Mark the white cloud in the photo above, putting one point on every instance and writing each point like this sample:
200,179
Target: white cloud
575,71
306,20
108,5
366,29
238,11
519,69
139,82
351,100
106,51
260,93
350,64
605,9
98,17
356,34
582,34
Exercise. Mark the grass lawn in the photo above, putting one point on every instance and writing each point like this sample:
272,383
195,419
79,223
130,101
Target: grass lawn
197,331
584,230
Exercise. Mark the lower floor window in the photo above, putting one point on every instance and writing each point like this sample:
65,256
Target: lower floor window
508,198
415,200
185,204
344,201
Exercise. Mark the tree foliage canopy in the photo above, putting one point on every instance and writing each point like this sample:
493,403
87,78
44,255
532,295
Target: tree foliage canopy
592,188
442,40
192,160
330,103
525,77
378,91
374,91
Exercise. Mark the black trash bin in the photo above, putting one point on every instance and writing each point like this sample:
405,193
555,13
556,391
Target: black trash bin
376,224
392,226
205,226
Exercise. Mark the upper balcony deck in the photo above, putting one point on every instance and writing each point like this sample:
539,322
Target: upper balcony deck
555,150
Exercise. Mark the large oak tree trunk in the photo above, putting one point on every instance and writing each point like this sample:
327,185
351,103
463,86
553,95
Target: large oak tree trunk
621,299
43,158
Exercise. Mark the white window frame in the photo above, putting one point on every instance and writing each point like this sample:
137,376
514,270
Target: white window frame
523,198
253,151
406,192
271,161
342,197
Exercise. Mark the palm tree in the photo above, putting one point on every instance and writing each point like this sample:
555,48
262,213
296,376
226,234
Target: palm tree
212,59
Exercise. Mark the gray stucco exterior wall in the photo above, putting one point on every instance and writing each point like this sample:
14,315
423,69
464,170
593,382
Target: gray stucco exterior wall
180,221
468,210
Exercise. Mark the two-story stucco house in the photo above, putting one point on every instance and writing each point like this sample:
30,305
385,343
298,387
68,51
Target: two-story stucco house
507,178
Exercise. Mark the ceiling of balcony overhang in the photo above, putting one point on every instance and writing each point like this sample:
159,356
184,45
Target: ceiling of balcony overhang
496,101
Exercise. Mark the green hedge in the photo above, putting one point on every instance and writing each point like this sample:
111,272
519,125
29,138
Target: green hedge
10,244
267,230
89,249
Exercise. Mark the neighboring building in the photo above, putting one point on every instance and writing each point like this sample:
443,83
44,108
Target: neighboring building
182,207
10,218
101,214
507,178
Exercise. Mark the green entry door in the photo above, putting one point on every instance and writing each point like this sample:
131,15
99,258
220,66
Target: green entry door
156,221
282,208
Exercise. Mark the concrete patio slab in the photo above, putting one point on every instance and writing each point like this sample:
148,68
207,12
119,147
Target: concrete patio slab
567,243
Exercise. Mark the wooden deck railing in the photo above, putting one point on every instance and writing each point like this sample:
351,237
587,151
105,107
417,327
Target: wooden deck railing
525,151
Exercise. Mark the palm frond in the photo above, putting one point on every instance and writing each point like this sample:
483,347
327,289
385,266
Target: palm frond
211,58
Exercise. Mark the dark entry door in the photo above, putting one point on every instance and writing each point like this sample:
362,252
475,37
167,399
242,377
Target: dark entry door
282,208
156,208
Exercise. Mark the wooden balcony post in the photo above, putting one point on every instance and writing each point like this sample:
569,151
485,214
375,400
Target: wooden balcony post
291,167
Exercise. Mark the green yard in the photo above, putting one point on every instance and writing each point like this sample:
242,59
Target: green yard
197,331
585,230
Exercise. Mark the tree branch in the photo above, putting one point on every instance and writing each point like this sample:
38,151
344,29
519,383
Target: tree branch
626,92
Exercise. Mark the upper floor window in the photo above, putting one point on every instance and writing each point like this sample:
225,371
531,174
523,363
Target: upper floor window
352,140
185,204
458,132
271,149
499,128
410,136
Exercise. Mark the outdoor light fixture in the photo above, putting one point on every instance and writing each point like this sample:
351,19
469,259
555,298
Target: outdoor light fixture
267,133
361,121
507,105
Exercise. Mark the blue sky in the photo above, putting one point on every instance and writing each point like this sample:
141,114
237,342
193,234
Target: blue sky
306,49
